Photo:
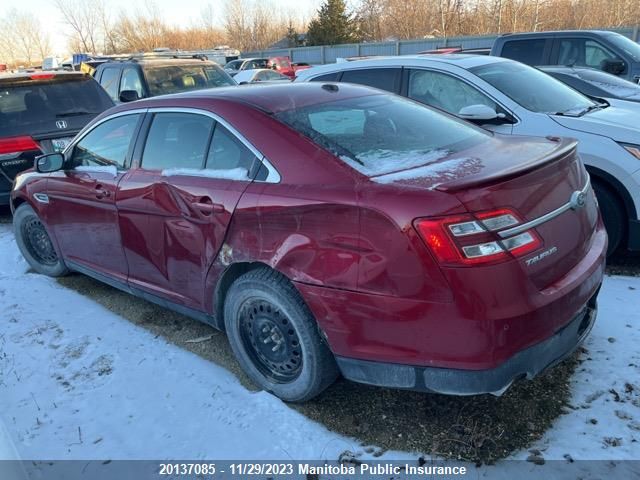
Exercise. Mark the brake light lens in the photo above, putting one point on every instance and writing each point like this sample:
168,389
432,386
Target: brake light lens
42,76
465,240
17,144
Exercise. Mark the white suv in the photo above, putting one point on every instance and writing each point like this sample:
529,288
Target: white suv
512,98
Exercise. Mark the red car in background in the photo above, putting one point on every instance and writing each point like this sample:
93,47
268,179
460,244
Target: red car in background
282,65
330,229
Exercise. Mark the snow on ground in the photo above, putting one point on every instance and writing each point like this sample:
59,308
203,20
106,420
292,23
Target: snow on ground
79,382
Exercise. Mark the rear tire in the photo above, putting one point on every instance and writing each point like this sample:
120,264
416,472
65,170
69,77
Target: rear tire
613,216
275,337
35,244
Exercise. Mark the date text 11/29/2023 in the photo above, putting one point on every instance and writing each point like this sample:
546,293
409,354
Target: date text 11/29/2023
203,469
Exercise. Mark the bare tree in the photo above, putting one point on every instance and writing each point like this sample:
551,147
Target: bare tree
83,17
22,40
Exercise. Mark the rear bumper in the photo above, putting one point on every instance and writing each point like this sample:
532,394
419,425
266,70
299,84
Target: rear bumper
527,363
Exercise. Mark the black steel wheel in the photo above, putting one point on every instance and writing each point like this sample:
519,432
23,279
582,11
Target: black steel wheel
35,243
275,338
38,242
270,340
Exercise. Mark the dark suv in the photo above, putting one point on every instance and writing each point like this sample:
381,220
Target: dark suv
42,112
141,77
603,50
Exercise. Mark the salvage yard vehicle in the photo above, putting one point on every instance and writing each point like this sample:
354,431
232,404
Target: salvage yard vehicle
41,112
513,98
607,51
136,77
330,228
260,75
595,83
236,66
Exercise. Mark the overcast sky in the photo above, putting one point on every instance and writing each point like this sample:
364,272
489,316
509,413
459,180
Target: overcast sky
176,12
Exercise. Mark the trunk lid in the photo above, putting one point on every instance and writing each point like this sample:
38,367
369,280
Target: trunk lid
534,188
531,177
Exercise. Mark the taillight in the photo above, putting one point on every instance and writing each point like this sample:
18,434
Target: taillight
465,240
17,144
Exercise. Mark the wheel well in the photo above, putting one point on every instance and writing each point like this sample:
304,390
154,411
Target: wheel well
229,276
616,188
15,203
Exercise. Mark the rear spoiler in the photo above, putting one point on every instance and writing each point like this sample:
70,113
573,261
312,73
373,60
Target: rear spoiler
566,148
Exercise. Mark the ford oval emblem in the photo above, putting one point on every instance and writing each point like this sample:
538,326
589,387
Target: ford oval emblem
578,200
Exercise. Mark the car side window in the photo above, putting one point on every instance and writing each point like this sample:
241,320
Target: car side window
131,81
530,52
595,54
583,52
227,152
445,91
109,82
177,140
107,144
327,77
383,78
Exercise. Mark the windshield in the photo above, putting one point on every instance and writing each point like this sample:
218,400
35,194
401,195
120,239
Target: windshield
626,44
38,103
532,89
618,87
167,79
235,65
380,134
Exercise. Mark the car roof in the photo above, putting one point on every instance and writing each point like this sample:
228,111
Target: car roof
462,60
272,98
557,32
159,61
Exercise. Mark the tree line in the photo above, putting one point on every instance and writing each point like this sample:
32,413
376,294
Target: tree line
256,24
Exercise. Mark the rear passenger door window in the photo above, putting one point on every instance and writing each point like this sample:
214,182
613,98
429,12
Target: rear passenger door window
444,91
109,81
177,141
383,78
228,153
531,52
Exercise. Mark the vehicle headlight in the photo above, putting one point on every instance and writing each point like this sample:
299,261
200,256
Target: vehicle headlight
632,149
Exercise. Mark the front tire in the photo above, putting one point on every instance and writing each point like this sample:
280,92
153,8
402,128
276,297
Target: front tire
35,244
275,337
613,216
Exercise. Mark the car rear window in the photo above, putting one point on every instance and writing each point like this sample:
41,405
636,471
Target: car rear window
380,134
167,79
28,103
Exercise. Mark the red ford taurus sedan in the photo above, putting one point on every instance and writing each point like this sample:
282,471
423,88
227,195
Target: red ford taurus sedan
330,229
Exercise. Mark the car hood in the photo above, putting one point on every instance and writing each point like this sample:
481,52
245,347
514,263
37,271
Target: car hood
614,122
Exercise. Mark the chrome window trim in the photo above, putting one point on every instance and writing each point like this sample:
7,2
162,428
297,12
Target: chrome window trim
273,175
547,216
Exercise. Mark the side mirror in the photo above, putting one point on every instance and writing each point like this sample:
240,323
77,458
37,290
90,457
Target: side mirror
51,162
129,96
613,66
480,113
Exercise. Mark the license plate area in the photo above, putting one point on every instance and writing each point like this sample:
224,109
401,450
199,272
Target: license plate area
60,144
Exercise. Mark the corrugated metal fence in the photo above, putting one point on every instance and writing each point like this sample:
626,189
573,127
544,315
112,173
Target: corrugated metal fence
329,53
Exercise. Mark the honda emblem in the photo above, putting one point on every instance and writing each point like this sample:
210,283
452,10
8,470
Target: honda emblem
61,124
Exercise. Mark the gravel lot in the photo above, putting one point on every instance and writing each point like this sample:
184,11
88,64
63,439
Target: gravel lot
481,429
